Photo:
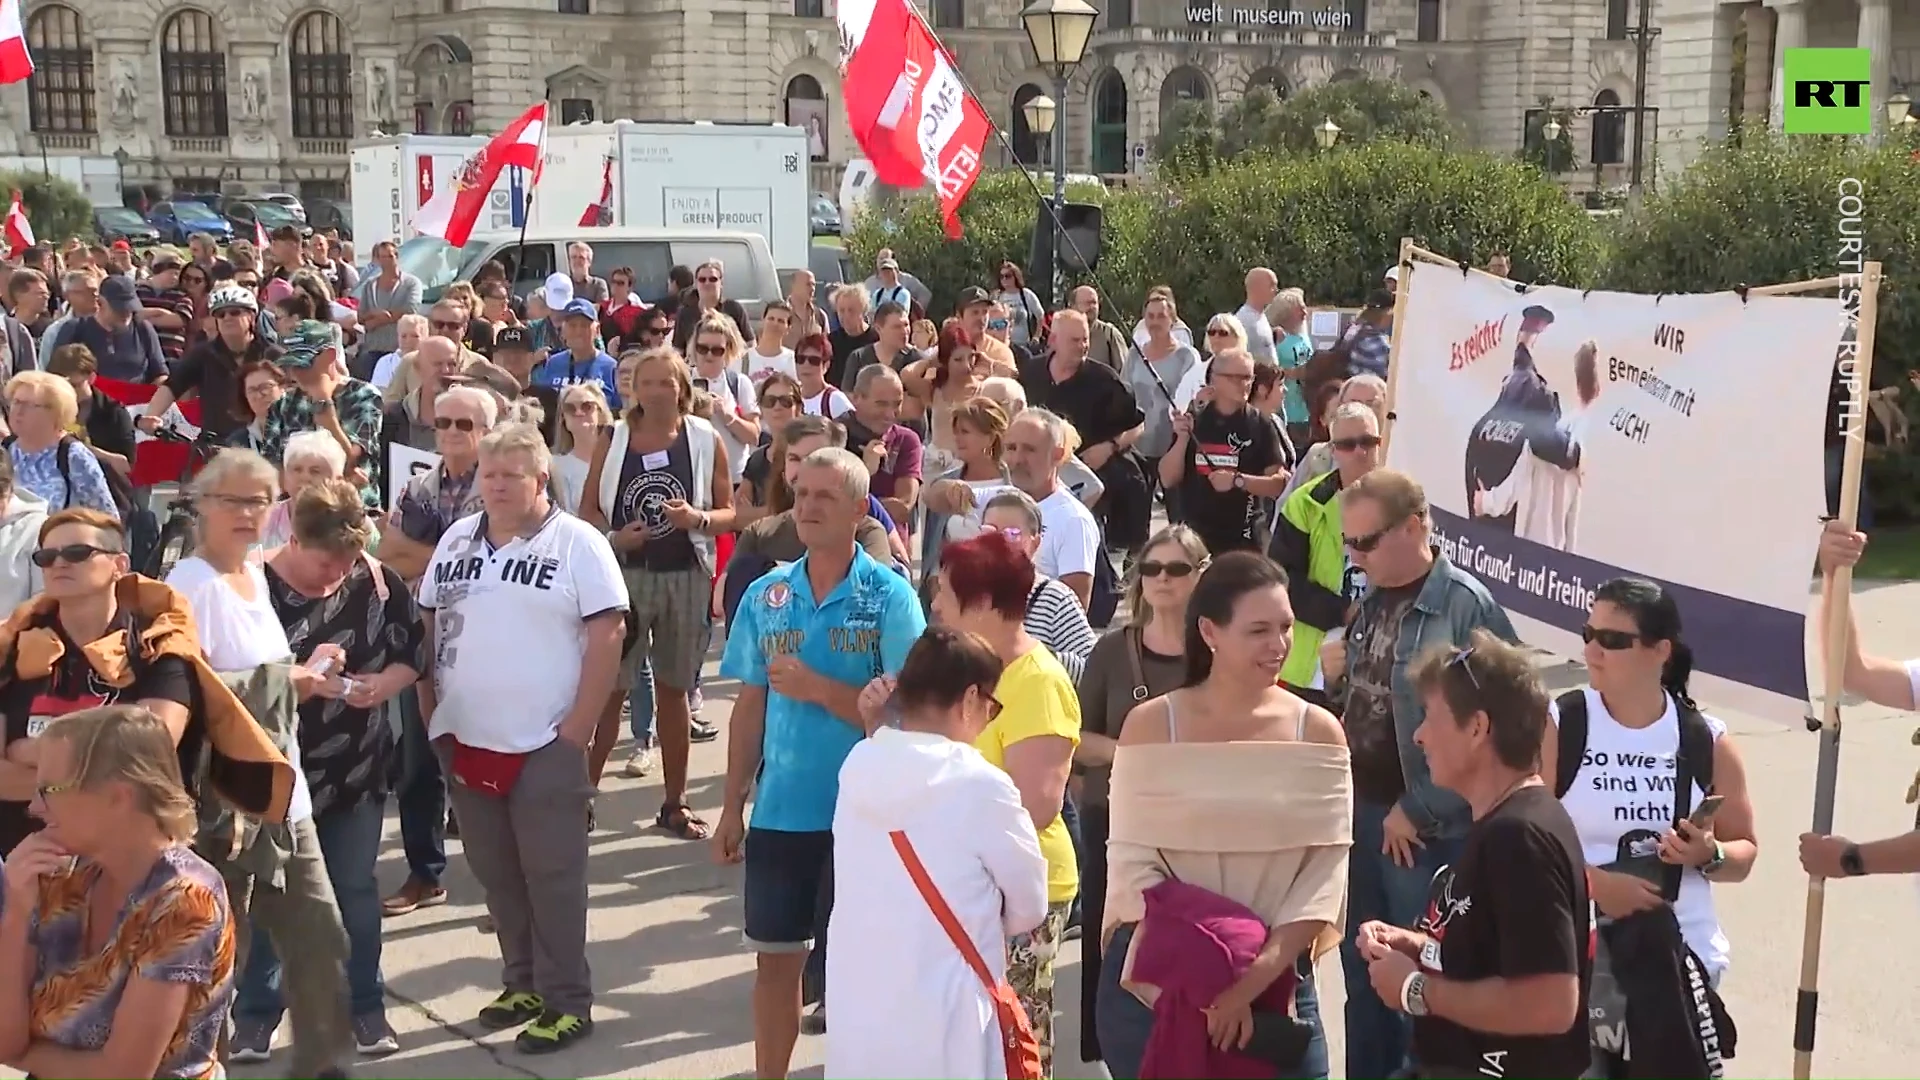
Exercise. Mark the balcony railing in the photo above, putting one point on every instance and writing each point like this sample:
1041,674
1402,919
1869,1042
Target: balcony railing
180,145
82,141
321,147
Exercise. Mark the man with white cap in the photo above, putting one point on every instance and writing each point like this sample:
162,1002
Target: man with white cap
891,290
543,314
1392,278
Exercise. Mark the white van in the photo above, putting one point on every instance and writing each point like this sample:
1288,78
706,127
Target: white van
649,252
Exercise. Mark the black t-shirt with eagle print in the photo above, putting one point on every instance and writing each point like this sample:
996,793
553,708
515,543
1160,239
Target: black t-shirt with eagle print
1245,442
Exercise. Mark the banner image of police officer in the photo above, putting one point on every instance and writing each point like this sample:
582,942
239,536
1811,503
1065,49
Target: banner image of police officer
1522,460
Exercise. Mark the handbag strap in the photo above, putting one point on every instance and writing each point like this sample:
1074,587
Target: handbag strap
1136,667
941,912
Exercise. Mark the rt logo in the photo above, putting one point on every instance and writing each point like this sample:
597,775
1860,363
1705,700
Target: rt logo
1828,92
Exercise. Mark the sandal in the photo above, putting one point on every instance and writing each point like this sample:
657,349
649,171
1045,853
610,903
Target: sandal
680,820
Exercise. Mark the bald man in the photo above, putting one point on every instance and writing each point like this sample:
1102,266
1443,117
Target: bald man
1262,286
1107,345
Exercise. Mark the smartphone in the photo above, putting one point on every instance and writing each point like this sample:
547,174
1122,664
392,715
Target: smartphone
1702,815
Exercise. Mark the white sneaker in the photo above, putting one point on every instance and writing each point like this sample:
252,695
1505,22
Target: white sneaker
640,765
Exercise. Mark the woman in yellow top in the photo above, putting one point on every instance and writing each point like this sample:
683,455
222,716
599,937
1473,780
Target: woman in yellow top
983,588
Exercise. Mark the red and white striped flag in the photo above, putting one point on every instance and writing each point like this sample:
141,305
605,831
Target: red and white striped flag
599,215
18,229
261,240
908,109
457,204
16,63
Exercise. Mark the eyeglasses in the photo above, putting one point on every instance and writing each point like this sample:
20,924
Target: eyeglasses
262,389
1610,640
451,325
1364,544
779,401
247,283
71,553
1173,569
710,350
656,330
244,503
56,788
810,361
1242,377
1362,442
1014,534
442,423
707,280
579,408
1460,660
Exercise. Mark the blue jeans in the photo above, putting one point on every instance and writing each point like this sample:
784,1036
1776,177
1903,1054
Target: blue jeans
1125,1022
421,791
1378,1038
640,706
350,845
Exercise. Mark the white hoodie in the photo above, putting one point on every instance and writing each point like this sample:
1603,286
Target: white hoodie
921,1010
20,523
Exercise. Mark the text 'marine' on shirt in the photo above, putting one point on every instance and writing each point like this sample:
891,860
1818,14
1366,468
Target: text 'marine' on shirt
537,571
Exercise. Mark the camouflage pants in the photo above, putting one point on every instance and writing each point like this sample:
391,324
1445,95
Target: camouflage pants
1030,973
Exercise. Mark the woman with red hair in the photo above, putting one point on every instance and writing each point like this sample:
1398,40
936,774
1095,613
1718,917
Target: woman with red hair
935,385
818,397
982,589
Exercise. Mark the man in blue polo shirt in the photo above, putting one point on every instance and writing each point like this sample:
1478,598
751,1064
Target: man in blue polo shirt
802,663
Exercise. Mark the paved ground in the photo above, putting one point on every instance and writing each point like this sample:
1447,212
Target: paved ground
674,980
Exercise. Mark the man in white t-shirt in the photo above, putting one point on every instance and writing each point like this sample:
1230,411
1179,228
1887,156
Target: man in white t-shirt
1036,447
1883,681
526,617
1262,286
769,352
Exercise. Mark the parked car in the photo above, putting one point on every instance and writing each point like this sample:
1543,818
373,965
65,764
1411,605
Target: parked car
291,202
331,214
242,213
180,218
123,223
824,216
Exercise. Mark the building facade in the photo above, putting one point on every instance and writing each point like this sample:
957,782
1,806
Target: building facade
265,95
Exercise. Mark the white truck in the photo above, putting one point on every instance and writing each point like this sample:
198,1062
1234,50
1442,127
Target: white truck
737,177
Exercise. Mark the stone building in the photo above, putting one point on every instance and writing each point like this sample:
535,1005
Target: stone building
262,95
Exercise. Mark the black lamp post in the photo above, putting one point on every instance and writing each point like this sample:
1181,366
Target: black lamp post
1059,31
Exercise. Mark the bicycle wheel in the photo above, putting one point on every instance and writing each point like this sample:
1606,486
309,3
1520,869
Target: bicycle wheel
176,543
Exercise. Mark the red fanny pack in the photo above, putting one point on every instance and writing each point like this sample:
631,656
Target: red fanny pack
488,772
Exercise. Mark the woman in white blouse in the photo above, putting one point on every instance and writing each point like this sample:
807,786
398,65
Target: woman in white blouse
584,414
918,793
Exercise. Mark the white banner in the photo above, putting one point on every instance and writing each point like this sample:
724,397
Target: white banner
1566,438
403,464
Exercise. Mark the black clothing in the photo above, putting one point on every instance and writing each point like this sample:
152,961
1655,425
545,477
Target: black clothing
1093,399
26,706
479,337
1373,742
844,345
759,470
689,315
1514,905
1525,418
1245,442
1677,1025
108,424
213,370
647,483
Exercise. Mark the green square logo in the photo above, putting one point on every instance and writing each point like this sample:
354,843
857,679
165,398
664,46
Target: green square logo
1828,92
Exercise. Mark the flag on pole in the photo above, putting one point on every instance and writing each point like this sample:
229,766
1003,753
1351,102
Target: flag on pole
261,241
457,204
19,230
906,104
16,63
599,215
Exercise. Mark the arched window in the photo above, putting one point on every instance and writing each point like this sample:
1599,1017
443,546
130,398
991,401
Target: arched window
1183,84
60,91
1616,20
321,73
1026,143
193,77
1110,123
1609,129
806,107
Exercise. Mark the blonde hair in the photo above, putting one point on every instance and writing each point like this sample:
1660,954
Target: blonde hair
130,745
719,322
1286,302
464,294
519,439
414,321
984,415
237,463
1400,496
1233,326
602,412
42,384
1188,541
854,291
330,517
682,374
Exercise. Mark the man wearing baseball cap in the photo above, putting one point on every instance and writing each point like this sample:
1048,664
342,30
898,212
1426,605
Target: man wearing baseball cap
975,305
324,399
581,360
123,342
513,354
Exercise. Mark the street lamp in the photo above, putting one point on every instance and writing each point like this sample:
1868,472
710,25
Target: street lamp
1550,131
120,157
1898,107
1040,112
1327,134
1059,31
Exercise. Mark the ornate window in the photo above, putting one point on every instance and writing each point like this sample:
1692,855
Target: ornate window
575,110
60,91
806,107
193,77
1609,129
1109,123
1026,141
321,73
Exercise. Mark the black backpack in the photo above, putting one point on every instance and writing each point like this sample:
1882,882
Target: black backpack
116,484
1695,757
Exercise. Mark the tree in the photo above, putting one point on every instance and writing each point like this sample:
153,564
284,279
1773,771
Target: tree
1551,156
1365,110
1189,139
56,206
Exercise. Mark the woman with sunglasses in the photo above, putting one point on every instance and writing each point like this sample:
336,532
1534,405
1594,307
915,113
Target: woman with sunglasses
1322,582
779,403
1495,972
935,385
584,416
1616,756
811,359
620,316
1024,309
197,283
1143,659
1224,332
1234,793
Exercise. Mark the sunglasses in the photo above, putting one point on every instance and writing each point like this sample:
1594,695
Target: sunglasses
1219,331
810,361
779,401
1364,544
442,423
1176,569
996,324
1610,640
707,280
580,408
71,553
653,331
710,350
438,325
1460,659
1363,442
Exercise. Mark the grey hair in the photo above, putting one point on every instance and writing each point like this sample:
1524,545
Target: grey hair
519,438
76,279
313,444
1059,432
1372,382
484,402
1354,410
1286,302
579,245
244,465
1006,392
855,291
852,470
871,374
413,319
1015,499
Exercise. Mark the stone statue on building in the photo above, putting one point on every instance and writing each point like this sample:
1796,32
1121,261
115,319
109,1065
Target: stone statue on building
380,90
126,94
253,95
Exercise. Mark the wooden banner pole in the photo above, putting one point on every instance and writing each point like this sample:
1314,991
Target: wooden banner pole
1838,624
1400,290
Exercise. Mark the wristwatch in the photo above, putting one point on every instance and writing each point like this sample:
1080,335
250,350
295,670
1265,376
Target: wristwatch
1239,482
1413,994
1851,864
1718,860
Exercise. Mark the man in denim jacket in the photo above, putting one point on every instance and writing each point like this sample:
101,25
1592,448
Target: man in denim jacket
1404,827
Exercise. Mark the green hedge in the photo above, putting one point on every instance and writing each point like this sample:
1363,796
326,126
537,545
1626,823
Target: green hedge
56,207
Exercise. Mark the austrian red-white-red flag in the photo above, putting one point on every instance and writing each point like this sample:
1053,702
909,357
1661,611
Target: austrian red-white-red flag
599,214
18,229
457,203
261,241
16,63
908,109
